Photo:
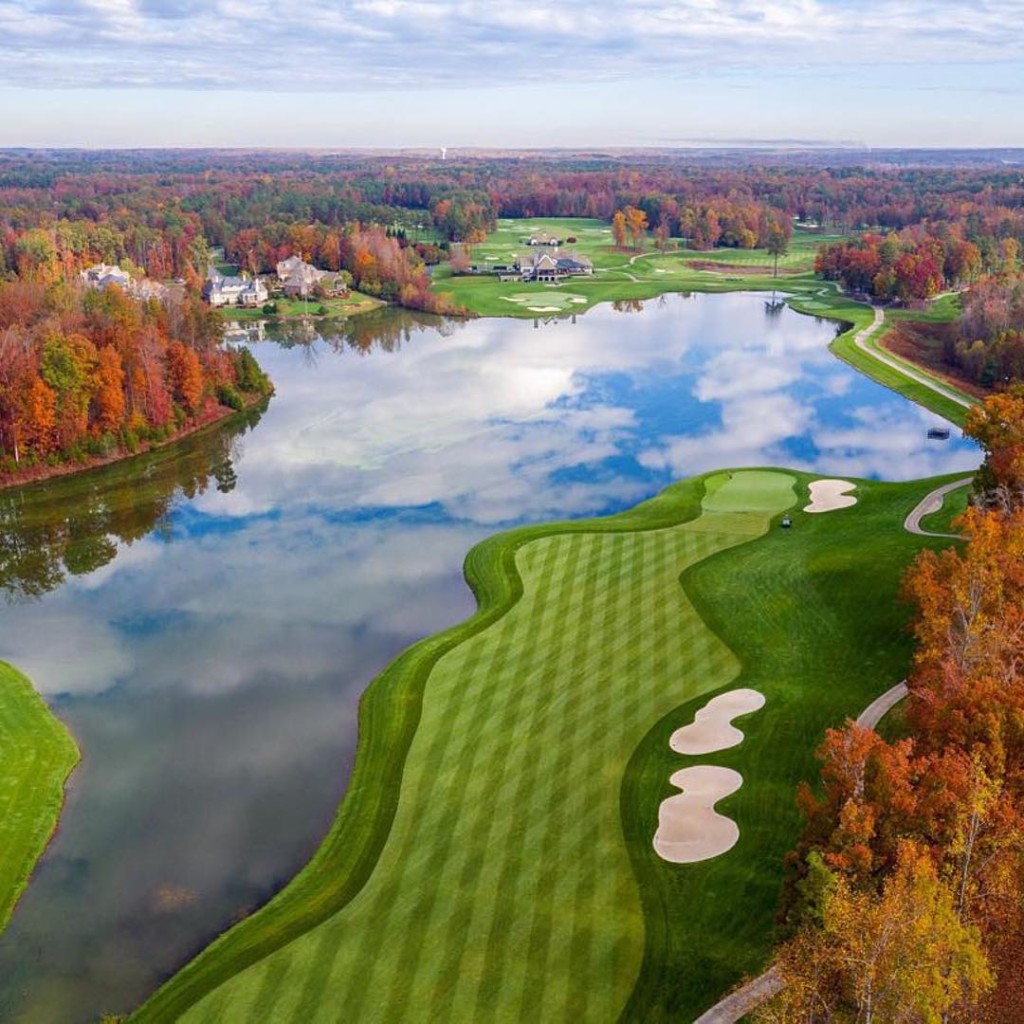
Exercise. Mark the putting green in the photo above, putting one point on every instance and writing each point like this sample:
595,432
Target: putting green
36,756
504,890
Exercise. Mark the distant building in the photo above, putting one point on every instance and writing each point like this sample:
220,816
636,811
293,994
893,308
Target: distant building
287,267
298,278
552,266
543,238
103,275
234,291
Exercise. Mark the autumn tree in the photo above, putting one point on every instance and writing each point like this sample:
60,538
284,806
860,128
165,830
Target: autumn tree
185,376
636,224
997,424
899,954
619,229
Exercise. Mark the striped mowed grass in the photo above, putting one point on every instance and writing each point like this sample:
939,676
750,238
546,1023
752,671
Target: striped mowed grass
37,754
504,891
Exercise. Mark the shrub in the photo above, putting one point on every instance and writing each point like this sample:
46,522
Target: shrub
227,394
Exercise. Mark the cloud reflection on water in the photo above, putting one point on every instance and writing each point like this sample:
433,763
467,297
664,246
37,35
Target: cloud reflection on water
211,671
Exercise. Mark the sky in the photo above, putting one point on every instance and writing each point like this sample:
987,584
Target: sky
490,73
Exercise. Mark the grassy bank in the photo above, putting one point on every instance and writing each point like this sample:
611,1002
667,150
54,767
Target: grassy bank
37,755
291,309
477,867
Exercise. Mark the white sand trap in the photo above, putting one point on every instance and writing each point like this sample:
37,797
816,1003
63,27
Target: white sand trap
828,495
544,309
660,270
689,827
578,300
712,727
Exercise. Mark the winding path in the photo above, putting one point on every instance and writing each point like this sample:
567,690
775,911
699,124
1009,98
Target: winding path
860,339
930,503
739,1003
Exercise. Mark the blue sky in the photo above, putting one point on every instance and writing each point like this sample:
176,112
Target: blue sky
487,73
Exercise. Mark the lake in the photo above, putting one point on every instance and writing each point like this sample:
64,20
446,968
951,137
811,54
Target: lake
205,619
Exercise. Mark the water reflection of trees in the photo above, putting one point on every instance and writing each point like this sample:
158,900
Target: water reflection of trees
384,330
72,526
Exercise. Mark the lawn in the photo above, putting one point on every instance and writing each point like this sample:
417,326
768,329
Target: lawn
477,868
36,756
337,308
620,274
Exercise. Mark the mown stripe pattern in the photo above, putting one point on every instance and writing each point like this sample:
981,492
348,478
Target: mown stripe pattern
504,892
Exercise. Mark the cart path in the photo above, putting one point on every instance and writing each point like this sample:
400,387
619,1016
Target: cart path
860,339
930,503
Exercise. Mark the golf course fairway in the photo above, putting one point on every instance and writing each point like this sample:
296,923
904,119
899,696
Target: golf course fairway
36,756
492,858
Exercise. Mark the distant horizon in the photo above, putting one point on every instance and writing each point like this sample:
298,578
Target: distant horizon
469,149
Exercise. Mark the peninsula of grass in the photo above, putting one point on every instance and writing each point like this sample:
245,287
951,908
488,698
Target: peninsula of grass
492,857
37,755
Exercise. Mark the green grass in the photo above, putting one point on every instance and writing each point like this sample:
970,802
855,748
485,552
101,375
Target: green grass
813,614
621,274
477,869
337,308
36,756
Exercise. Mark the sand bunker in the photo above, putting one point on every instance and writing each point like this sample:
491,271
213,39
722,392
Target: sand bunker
828,495
689,827
712,727
577,299
544,309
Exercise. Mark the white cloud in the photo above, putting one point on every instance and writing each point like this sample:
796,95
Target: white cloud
357,44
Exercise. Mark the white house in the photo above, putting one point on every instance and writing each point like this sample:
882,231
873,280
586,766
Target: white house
234,291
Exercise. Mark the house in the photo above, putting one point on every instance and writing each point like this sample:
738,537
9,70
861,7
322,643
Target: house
103,275
302,280
298,278
552,266
287,267
233,291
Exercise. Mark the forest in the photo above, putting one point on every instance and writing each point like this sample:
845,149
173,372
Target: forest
87,374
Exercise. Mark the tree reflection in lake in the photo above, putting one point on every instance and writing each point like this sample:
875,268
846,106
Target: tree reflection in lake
74,525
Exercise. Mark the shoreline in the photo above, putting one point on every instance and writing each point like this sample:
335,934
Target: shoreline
44,474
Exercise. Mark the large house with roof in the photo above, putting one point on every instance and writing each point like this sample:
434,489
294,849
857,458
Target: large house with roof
103,275
552,266
233,291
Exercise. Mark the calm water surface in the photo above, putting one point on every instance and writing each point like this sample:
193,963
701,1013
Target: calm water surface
205,621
